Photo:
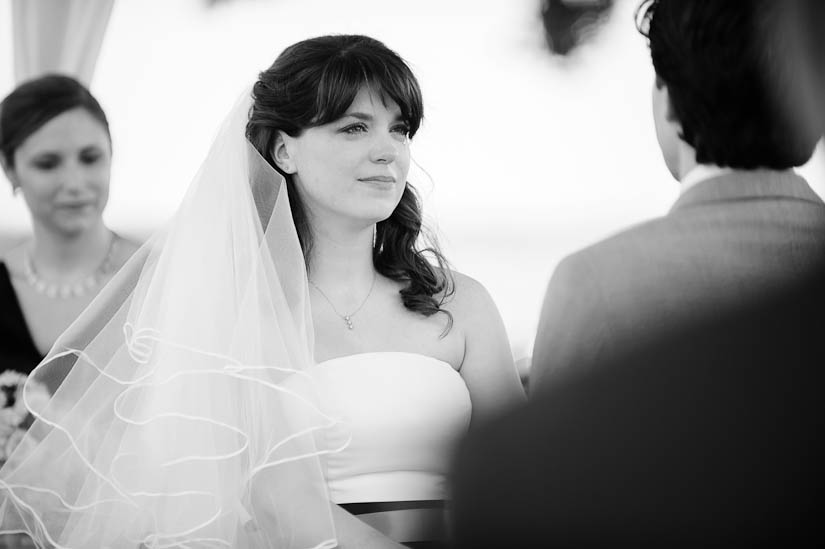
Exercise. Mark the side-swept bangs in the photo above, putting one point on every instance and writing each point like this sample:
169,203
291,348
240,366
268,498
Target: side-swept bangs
386,77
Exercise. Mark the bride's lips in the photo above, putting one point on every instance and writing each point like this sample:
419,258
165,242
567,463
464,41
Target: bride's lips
379,180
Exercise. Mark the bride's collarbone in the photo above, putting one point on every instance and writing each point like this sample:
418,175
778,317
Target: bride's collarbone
384,324
410,332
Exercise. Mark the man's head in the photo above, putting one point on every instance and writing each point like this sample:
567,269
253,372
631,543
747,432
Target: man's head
725,93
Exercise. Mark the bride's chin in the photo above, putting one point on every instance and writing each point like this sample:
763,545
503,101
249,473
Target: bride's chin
376,212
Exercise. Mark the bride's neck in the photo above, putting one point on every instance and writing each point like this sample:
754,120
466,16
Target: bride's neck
342,260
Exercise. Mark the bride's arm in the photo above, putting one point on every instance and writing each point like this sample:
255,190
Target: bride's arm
356,534
488,368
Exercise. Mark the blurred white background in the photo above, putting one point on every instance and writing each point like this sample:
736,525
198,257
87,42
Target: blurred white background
530,156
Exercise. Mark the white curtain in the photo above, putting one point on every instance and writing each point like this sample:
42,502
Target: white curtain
58,36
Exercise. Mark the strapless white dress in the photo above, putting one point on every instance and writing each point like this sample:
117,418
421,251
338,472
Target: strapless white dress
402,413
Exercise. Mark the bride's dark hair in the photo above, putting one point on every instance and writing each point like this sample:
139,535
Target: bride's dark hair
313,83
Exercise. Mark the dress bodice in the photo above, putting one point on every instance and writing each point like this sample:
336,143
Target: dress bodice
402,414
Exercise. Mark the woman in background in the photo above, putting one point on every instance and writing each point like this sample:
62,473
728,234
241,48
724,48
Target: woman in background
56,151
282,366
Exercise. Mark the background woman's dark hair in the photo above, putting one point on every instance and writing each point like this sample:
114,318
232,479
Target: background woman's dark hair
34,102
313,83
734,91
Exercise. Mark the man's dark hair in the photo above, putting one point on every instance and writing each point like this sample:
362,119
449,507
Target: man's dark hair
730,84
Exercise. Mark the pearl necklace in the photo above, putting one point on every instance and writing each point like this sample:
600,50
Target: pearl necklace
78,288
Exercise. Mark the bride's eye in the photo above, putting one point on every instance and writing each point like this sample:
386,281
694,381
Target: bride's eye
354,129
402,131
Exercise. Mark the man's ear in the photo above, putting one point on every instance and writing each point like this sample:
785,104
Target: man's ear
281,153
670,112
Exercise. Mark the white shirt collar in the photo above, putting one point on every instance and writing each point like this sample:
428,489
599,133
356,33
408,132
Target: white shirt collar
699,173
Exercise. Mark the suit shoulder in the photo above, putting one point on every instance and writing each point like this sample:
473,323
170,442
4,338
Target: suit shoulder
626,248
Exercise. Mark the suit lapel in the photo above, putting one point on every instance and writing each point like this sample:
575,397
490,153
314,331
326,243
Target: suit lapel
748,185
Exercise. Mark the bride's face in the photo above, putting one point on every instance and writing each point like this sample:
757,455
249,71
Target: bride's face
354,168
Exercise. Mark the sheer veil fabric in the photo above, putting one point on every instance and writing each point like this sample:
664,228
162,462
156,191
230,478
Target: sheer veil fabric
185,417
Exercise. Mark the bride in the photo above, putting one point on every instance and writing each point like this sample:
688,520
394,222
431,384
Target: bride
283,365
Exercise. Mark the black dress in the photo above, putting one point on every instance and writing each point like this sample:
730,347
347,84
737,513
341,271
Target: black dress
17,349
17,352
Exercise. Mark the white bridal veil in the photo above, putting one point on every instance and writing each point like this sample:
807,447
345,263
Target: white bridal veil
185,417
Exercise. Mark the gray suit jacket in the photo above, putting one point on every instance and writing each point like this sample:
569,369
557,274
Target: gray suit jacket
728,240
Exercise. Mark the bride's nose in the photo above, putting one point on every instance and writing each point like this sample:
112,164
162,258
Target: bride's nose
384,149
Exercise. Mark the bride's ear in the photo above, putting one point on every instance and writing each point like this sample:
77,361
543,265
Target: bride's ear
281,155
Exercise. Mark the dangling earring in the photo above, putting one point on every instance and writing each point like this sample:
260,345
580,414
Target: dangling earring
374,234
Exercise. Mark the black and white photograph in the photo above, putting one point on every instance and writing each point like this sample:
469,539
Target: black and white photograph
444,274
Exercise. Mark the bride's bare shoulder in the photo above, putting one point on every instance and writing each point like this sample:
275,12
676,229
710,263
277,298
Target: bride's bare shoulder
465,296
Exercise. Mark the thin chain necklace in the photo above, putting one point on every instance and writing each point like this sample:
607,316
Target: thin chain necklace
347,317
78,288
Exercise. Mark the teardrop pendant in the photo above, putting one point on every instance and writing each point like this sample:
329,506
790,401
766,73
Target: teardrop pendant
348,321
